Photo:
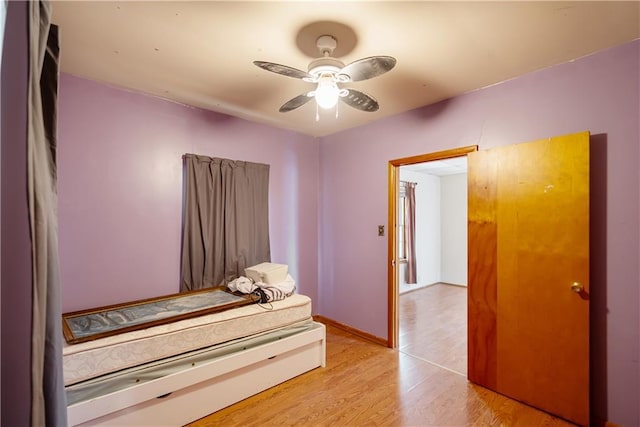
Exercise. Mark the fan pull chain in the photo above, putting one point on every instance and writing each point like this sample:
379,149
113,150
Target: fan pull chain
317,113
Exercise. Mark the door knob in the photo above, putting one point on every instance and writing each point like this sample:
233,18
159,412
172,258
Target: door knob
577,287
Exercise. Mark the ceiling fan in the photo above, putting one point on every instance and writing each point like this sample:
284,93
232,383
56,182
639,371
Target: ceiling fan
327,73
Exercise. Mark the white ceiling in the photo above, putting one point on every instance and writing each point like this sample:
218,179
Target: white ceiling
452,166
200,53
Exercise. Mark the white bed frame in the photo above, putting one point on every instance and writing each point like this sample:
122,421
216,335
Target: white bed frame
183,397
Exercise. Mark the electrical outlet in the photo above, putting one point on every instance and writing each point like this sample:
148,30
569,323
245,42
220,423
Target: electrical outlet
381,230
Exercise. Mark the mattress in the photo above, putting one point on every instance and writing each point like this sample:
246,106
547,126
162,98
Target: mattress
99,357
148,372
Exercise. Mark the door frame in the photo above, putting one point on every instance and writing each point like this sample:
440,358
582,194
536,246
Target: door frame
392,276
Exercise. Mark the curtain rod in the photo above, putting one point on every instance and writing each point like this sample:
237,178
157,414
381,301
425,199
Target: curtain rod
406,182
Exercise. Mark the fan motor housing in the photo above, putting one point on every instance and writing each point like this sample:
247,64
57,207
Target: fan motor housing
325,65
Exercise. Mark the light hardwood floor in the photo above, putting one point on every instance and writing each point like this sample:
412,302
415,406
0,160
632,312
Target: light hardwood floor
433,325
368,384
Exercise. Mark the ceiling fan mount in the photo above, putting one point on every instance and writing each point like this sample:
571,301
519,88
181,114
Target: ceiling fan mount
326,45
327,72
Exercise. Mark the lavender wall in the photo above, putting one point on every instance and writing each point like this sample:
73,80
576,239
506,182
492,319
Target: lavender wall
597,93
120,191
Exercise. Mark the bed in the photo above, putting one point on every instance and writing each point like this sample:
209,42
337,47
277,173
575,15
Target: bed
178,372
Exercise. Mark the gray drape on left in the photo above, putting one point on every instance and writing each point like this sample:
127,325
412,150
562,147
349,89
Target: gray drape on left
226,220
48,399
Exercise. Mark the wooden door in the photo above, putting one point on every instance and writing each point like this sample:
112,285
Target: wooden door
529,273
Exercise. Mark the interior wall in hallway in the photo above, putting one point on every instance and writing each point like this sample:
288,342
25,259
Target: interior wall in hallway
453,259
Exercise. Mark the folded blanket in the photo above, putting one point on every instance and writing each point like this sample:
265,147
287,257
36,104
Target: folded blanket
267,293
242,284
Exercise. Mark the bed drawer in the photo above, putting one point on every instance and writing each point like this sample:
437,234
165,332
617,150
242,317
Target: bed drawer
197,392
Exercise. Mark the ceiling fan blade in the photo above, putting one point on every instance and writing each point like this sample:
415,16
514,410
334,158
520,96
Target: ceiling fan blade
368,68
360,100
283,69
294,103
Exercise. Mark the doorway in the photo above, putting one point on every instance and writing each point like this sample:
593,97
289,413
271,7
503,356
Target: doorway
393,253
432,262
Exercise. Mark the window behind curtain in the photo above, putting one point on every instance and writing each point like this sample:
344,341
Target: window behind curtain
402,207
226,220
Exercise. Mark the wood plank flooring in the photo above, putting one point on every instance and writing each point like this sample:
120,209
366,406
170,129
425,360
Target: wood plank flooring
433,325
367,384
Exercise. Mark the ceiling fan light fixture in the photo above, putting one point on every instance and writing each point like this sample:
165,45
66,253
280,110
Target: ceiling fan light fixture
327,72
327,93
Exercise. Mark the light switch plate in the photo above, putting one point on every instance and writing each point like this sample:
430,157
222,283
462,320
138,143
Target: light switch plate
381,230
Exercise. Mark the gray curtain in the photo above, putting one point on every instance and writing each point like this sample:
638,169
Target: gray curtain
410,232
48,400
226,220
